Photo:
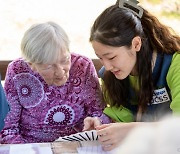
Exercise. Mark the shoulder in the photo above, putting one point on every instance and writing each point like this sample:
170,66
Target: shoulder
176,57
17,62
174,69
175,63
81,61
18,66
81,65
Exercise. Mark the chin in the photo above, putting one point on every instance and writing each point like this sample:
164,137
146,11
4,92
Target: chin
61,83
121,76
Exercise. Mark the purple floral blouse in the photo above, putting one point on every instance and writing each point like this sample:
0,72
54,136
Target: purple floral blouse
42,113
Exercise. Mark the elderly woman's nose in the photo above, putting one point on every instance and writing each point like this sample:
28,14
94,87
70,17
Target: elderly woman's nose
59,70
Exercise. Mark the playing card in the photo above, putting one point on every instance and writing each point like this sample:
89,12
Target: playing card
82,136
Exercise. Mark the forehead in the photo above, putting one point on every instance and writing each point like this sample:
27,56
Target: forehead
60,56
63,54
104,50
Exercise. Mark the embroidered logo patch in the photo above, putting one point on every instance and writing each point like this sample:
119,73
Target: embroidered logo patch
160,96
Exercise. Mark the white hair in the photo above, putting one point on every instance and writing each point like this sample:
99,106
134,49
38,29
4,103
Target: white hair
43,43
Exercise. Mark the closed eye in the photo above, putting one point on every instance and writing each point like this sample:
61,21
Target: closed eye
48,67
65,60
112,58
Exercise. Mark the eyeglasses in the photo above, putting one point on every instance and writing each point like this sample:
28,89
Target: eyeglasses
63,62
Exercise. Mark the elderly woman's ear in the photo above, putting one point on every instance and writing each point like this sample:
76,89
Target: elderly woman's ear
32,66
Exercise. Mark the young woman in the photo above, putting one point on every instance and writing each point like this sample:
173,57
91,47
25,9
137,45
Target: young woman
141,73
50,90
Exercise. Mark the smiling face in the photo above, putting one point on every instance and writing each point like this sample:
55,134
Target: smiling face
119,60
55,73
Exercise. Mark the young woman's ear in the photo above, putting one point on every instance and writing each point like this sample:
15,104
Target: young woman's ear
136,43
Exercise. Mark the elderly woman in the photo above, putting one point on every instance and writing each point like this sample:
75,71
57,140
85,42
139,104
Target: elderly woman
50,90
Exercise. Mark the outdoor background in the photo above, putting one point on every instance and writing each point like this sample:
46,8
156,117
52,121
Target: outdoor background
75,16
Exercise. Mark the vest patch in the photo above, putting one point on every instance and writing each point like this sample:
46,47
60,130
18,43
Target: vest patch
160,96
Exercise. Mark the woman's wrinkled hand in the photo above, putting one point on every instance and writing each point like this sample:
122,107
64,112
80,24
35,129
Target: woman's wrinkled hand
111,135
91,123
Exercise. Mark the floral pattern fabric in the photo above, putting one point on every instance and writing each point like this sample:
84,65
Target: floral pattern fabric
42,113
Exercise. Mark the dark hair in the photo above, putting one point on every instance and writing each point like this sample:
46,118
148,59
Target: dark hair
117,27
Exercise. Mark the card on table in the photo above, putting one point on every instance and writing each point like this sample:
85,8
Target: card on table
81,136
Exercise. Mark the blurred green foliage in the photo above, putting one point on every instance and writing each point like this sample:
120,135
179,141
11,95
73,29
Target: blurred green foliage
154,1
172,14
166,8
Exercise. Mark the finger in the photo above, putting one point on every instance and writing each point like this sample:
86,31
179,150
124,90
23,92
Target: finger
102,126
97,122
109,147
87,124
86,128
102,132
104,140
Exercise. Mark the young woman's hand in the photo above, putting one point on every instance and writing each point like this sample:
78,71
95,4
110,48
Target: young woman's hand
111,135
91,123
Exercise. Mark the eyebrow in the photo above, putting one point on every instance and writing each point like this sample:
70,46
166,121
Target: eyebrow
104,54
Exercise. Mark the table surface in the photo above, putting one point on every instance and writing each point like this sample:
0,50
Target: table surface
65,147
56,147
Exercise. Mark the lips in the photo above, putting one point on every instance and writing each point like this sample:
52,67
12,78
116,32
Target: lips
116,72
61,78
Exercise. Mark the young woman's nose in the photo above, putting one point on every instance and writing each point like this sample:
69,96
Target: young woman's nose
107,65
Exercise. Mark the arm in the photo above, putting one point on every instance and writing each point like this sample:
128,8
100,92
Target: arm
94,102
112,135
11,131
173,80
4,108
